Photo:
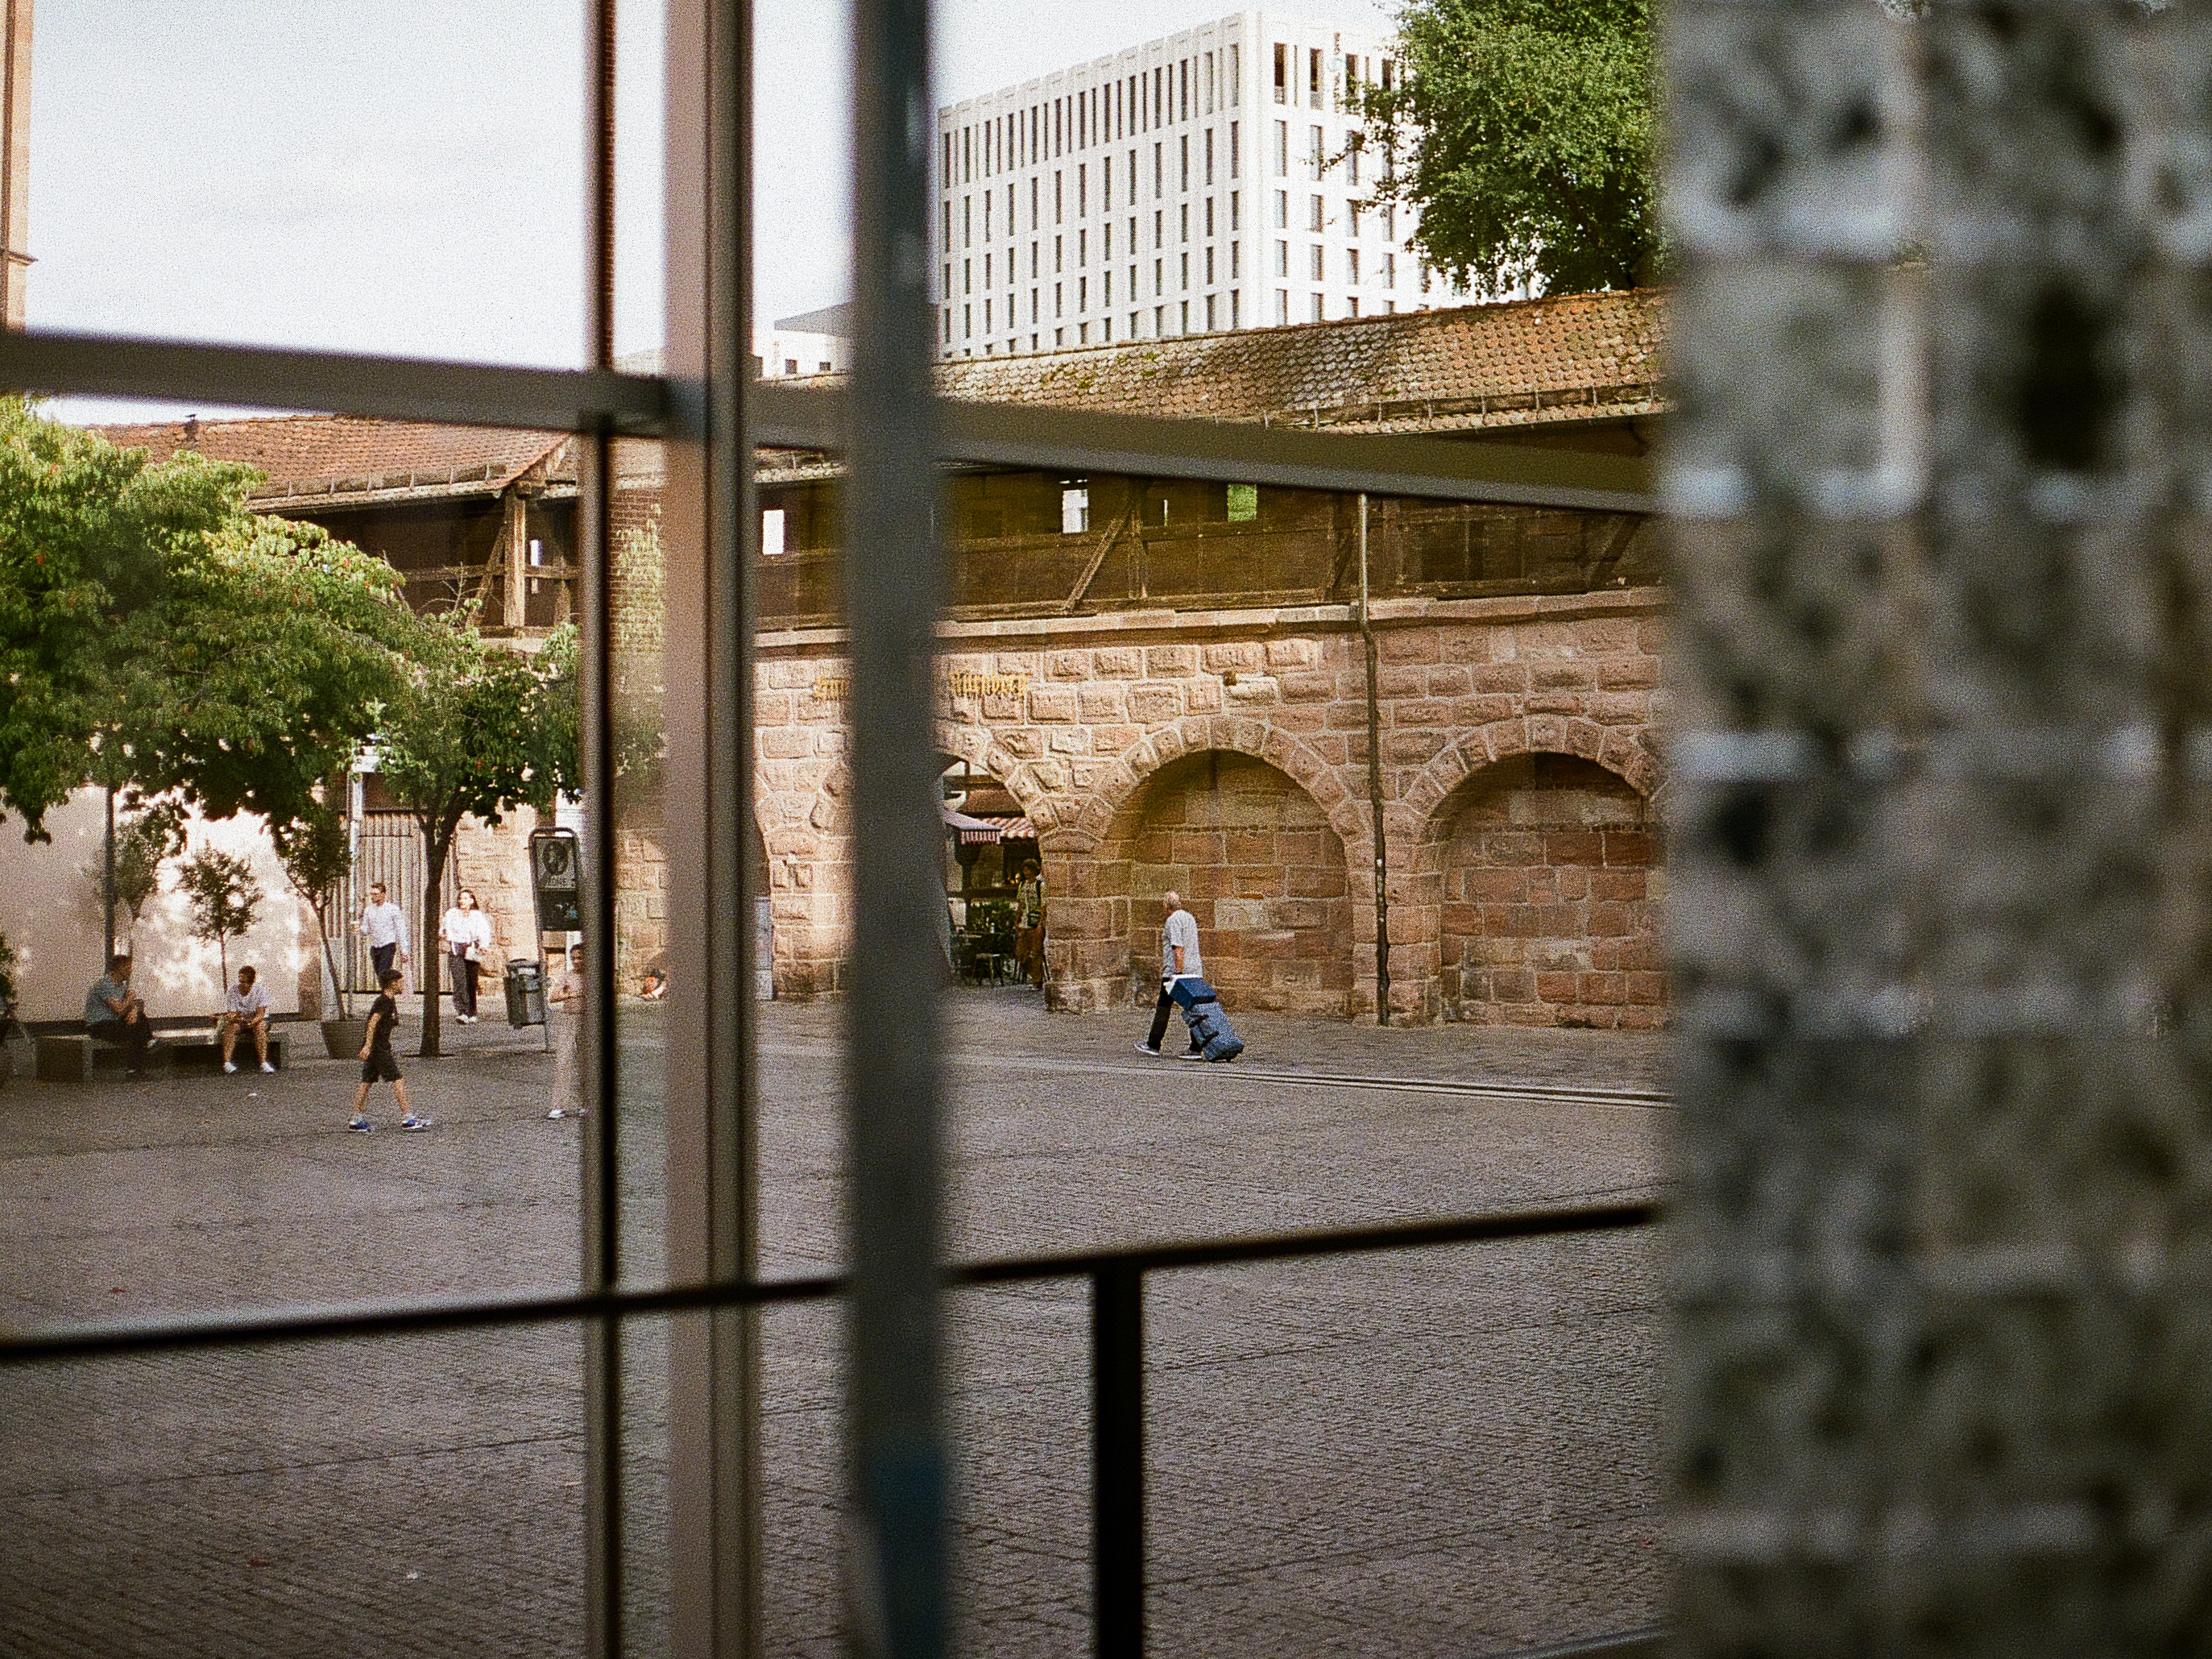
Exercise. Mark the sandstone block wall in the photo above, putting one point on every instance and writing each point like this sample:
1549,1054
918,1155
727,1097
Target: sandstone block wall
1549,882
1098,726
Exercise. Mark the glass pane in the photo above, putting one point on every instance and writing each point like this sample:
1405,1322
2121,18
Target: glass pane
643,969
377,632
419,1495
1440,1453
359,179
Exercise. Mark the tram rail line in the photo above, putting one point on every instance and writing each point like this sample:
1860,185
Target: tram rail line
1538,1093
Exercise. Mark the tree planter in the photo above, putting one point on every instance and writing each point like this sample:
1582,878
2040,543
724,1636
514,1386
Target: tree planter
342,1038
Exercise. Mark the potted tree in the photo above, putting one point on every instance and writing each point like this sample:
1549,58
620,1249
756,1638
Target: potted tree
225,900
318,856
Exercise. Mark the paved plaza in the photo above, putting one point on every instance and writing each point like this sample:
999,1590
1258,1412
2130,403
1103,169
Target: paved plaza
1448,1452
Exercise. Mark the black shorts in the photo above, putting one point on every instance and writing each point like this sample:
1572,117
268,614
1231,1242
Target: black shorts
380,1067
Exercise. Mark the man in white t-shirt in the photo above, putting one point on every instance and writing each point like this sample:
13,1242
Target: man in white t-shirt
245,1008
1178,957
384,925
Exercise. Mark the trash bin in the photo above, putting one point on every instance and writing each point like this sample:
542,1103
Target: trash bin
525,993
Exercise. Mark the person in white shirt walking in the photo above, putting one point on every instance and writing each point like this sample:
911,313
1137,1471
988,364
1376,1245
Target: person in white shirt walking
384,925
1178,955
245,1008
465,932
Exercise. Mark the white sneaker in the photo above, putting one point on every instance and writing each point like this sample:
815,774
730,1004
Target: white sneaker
229,1065
267,1067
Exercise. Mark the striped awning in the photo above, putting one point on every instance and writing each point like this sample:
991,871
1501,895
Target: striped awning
988,832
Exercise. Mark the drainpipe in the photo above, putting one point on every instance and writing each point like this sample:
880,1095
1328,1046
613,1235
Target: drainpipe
1375,787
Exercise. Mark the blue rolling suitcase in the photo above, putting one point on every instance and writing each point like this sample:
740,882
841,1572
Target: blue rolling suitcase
1209,1030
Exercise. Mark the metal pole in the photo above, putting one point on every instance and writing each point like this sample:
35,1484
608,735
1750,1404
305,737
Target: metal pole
603,1491
1374,789
107,886
1117,1462
894,585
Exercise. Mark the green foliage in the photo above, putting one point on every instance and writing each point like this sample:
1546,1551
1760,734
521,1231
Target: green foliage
88,537
151,838
7,980
225,899
157,635
474,727
1525,132
317,850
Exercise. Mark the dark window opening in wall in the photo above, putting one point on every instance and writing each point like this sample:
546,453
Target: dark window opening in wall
1313,78
1282,74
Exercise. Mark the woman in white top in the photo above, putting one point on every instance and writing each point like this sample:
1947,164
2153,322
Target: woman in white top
465,934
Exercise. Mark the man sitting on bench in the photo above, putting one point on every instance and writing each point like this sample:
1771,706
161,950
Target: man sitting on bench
246,1009
112,1015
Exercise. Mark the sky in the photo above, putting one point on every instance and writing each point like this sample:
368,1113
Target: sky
305,172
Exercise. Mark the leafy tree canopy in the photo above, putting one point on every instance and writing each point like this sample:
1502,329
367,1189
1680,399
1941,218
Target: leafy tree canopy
157,635
473,728
1524,132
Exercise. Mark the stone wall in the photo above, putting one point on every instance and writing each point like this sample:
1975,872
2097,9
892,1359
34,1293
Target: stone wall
1098,725
1549,878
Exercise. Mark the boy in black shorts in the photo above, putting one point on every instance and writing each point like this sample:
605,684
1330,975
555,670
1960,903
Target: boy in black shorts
376,1061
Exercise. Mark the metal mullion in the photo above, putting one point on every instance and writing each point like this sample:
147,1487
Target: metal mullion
334,382
707,527
602,1192
898,1464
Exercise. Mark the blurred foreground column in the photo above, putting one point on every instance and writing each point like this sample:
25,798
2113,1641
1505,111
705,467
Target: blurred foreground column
1944,360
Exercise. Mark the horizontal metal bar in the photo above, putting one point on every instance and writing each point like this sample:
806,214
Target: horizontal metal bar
1070,441
1315,1242
1082,441
335,382
245,1330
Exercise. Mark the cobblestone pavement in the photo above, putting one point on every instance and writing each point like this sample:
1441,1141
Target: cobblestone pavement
1447,1452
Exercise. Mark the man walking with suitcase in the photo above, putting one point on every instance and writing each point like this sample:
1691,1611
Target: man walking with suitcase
1178,955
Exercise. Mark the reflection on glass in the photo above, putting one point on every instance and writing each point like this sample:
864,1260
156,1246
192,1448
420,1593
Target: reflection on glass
166,200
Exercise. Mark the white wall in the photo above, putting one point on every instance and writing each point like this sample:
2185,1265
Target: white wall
50,912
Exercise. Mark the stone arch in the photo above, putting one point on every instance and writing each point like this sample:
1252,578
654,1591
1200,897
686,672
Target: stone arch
1611,747
1538,877
1296,759
1257,860
976,744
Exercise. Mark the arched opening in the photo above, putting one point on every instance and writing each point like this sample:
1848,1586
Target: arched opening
1550,877
988,840
1257,865
764,918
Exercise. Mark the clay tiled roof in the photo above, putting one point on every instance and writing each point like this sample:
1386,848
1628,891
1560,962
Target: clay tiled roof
1575,358
333,455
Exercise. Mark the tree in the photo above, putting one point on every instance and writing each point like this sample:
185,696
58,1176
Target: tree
154,835
225,899
473,728
317,851
158,635
88,534
1524,132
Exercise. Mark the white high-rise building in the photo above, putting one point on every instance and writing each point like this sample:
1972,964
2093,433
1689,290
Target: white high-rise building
1213,180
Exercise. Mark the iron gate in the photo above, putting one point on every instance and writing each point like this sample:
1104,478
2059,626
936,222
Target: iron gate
388,849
